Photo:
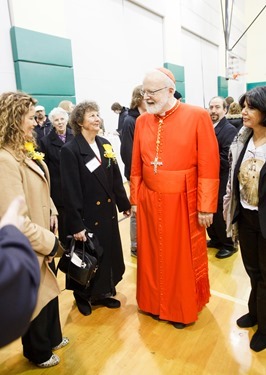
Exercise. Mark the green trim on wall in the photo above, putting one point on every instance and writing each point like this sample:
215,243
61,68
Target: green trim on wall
251,85
28,45
179,73
43,66
222,84
44,79
50,102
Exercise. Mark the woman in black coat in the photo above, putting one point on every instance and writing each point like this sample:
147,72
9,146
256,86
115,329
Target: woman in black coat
51,147
92,191
245,207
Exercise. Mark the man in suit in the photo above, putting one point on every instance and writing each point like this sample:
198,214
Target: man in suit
225,133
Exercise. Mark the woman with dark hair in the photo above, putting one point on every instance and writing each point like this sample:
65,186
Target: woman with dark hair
92,191
245,207
24,173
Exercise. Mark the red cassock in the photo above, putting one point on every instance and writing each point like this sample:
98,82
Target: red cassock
172,269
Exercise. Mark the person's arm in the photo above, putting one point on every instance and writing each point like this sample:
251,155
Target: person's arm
208,170
11,182
19,276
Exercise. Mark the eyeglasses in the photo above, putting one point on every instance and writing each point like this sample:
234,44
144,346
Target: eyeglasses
151,93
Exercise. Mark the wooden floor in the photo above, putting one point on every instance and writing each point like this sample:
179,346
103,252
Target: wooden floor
126,341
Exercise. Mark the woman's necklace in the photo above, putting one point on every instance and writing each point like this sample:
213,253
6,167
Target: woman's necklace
157,162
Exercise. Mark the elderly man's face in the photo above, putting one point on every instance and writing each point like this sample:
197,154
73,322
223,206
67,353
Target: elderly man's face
156,94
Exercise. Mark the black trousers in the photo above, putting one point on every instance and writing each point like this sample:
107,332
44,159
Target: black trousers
62,234
217,231
44,333
253,250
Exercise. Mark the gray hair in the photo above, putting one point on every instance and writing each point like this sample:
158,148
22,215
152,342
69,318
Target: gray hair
56,112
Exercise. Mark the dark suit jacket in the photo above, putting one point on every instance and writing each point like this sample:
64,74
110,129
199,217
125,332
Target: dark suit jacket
127,140
51,146
90,200
225,133
19,283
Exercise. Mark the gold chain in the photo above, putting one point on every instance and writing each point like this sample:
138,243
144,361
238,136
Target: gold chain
156,163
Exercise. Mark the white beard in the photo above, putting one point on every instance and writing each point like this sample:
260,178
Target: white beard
157,108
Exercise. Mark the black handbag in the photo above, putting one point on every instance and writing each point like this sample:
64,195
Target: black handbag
81,260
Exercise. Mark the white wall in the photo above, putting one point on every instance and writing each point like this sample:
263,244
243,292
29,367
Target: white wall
256,62
115,42
112,50
44,16
7,73
201,69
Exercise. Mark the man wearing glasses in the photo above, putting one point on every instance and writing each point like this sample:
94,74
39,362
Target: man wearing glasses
174,189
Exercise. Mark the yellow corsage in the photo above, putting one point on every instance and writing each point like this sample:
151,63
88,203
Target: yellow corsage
31,153
109,153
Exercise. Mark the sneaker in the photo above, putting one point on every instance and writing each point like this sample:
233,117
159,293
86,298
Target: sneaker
134,252
63,343
53,361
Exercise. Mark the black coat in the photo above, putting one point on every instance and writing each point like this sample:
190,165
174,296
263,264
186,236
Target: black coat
127,140
235,120
51,146
90,200
42,131
121,118
19,283
225,133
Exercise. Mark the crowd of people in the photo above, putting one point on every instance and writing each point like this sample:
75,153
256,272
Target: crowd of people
191,172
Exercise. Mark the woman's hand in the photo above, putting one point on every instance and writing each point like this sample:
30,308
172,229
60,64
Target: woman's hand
80,236
54,224
127,213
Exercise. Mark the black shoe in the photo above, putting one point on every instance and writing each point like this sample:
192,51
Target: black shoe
225,253
179,325
246,321
258,341
111,303
212,244
83,305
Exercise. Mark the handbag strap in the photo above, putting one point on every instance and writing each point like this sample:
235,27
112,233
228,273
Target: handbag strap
73,246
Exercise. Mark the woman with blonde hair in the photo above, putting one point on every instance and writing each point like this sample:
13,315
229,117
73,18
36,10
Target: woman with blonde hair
234,115
23,173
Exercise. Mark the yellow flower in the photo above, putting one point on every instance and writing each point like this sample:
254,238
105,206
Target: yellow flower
31,153
109,153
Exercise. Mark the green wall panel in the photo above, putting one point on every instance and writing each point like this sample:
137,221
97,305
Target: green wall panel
44,79
28,45
43,66
251,85
179,73
49,102
222,83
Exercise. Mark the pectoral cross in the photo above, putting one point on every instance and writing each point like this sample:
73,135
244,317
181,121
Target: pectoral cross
156,163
